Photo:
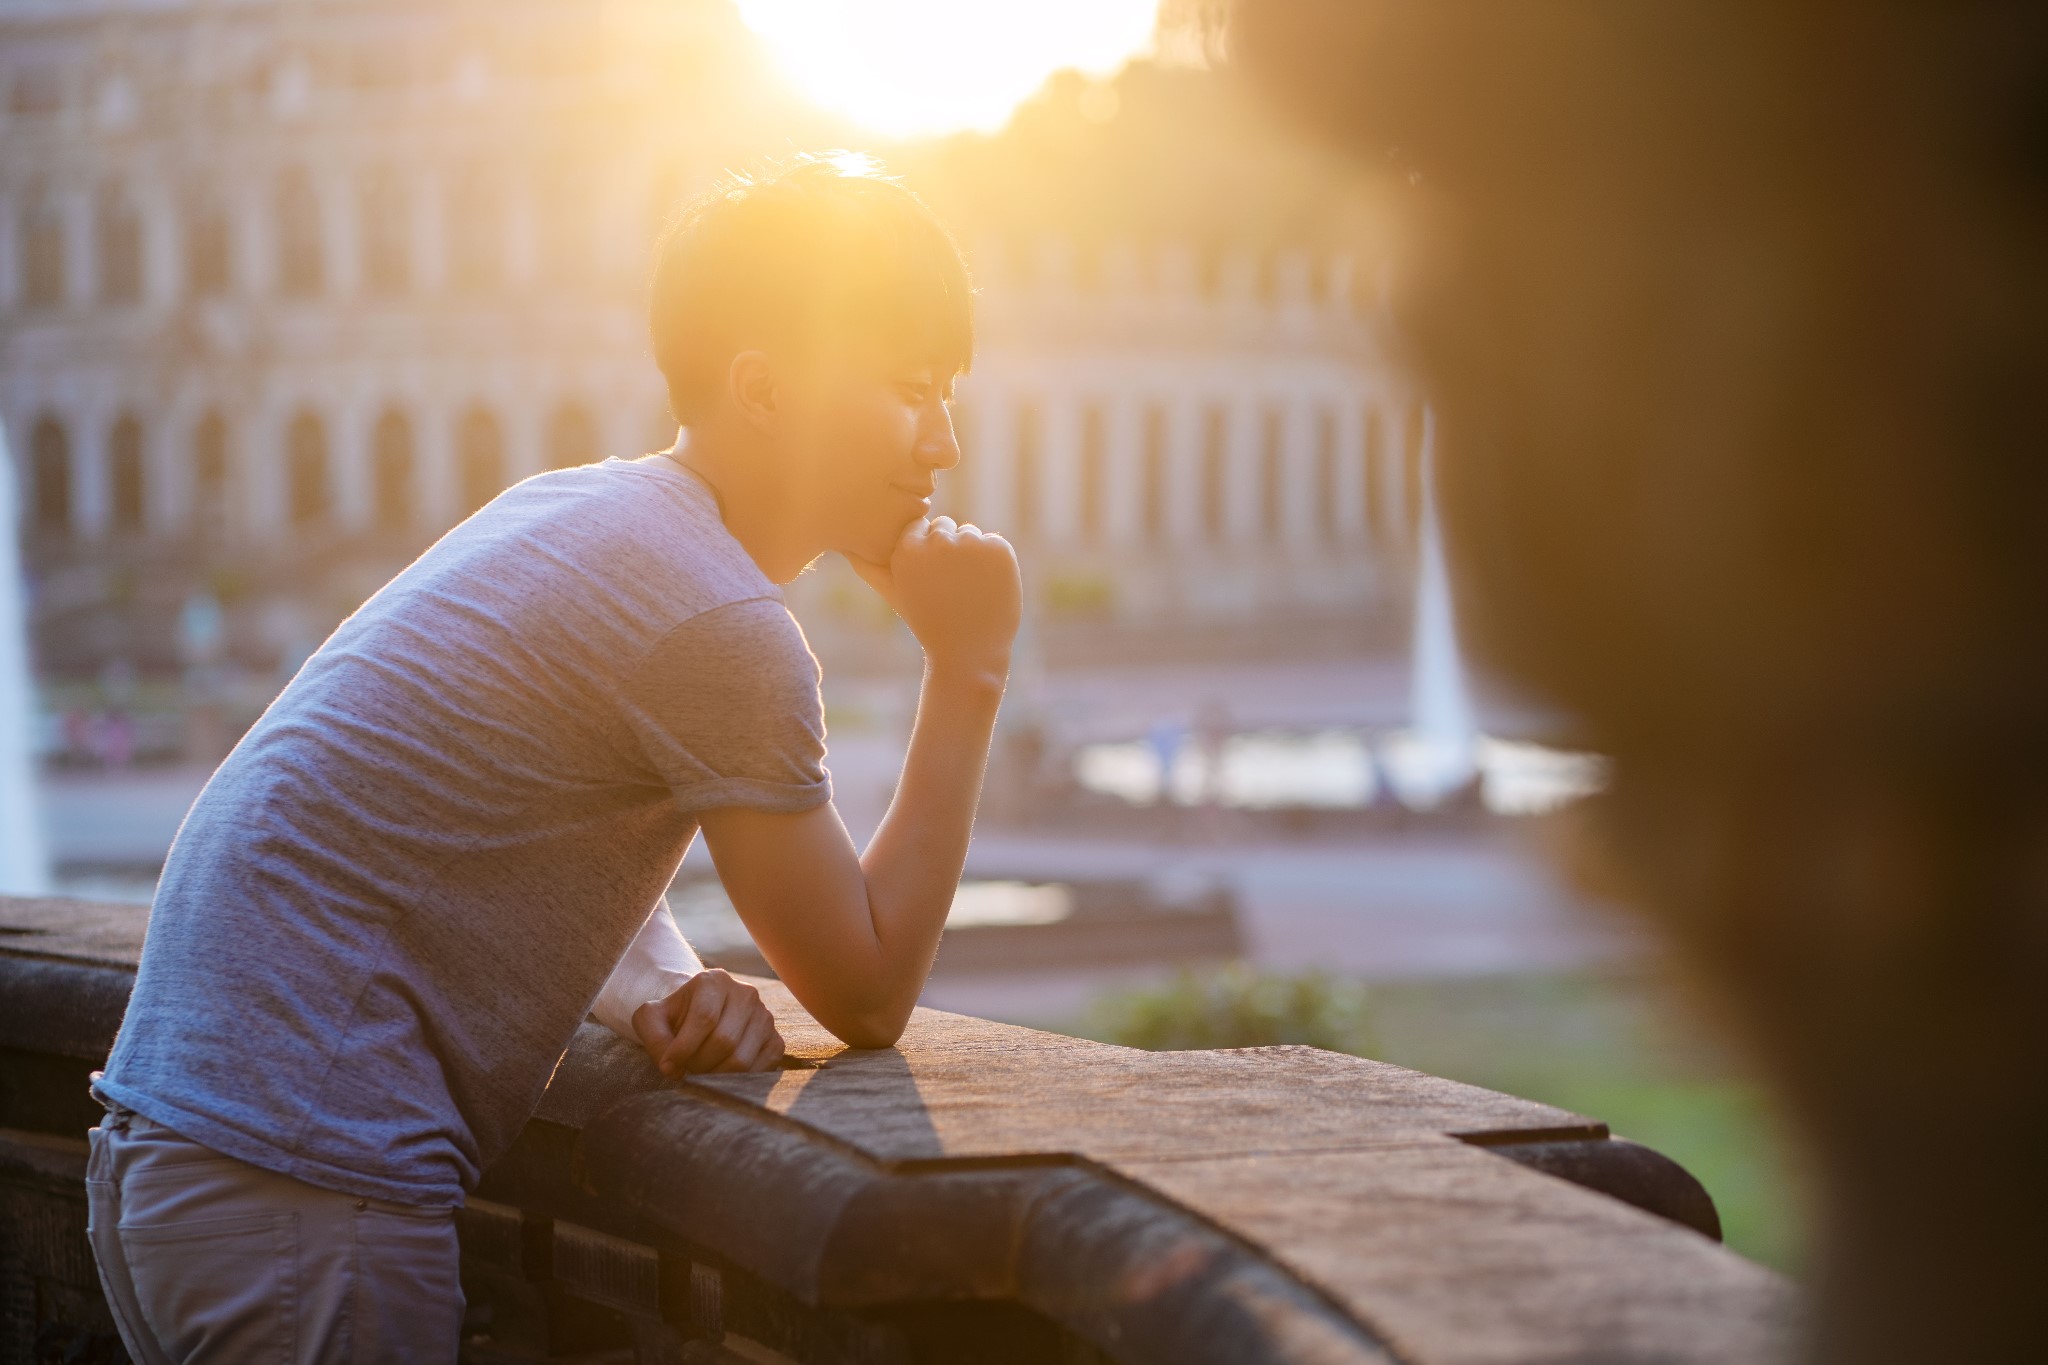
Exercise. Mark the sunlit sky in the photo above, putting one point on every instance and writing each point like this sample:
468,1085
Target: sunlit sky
908,68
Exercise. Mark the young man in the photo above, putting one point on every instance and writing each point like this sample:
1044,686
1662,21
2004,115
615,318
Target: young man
447,840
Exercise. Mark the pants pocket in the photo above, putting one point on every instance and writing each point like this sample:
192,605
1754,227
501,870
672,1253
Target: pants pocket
218,1289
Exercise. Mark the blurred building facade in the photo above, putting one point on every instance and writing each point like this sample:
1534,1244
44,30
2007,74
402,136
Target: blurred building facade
1188,442
287,289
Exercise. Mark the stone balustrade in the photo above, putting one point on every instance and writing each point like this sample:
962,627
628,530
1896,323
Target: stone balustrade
980,1193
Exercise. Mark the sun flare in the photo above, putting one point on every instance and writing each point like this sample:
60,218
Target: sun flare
908,68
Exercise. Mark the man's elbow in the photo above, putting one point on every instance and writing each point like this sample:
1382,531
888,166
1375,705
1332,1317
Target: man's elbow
869,1029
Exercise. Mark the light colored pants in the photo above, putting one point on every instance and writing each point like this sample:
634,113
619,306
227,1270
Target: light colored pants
208,1259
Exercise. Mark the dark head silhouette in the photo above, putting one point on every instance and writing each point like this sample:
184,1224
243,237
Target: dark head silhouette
1735,318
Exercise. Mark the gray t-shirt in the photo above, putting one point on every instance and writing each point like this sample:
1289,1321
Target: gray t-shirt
393,904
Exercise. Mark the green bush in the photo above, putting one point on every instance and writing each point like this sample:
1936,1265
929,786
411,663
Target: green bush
1239,1007
1080,595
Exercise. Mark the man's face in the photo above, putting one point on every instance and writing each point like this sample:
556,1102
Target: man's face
866,433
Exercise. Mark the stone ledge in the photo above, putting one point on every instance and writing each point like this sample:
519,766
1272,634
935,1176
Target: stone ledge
987,1192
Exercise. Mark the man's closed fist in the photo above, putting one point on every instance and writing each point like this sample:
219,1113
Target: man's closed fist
711,1022
957,588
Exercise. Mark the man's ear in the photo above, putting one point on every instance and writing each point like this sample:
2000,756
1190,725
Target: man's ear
750,383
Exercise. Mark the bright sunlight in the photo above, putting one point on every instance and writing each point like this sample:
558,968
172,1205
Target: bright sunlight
907,68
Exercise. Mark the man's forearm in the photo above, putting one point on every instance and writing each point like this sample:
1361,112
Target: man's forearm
913,863
655,963
853,934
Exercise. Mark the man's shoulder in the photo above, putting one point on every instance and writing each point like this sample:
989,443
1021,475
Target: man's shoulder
638,535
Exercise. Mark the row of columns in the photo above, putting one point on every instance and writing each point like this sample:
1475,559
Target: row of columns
455,219
604,221
1307,473
258,457
1304,470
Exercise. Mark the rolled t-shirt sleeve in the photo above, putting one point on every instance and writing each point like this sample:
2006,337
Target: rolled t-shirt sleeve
726,709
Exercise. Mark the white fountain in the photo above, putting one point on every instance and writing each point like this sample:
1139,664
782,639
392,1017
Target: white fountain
1438,754
24,862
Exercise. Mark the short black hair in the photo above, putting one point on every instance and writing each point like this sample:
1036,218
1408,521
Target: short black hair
822,249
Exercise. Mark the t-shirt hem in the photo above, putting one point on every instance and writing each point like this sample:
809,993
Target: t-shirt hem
753,794
229,1141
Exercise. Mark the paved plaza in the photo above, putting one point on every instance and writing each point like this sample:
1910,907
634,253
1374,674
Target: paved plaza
1462,901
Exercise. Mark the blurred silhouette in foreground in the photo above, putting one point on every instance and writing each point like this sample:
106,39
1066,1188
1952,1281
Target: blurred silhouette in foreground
1733,316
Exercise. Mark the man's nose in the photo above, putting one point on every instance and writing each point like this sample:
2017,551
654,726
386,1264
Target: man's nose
938,447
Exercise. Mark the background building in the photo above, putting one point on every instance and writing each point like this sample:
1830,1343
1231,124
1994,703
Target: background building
288,289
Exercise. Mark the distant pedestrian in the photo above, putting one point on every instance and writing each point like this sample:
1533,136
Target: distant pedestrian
1165,738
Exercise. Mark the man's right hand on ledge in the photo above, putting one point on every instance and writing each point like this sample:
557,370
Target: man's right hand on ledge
711,1022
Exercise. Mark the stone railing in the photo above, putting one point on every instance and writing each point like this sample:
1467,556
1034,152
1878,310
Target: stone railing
981,1193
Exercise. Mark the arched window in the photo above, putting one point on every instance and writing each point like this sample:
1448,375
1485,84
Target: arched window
1272,474
210,477
50,469
1092,474
479,459
476,231
572,437
1024,502
301,264
386,233
391,471
306,495
1326,476
208,262
126,502
120,248
42,257
1152,477
1215,455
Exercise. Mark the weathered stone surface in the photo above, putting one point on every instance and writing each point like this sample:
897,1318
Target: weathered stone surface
1150,1280
1261,1205
1453,1254
1144,1279
933,1034
79,931
964,1088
